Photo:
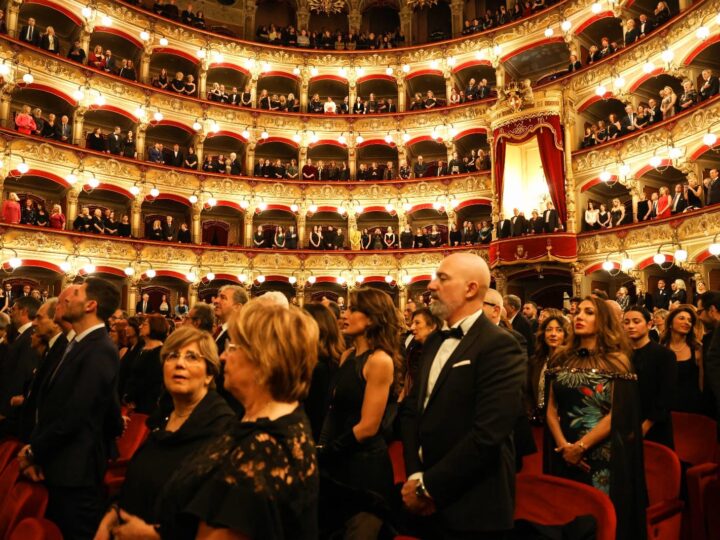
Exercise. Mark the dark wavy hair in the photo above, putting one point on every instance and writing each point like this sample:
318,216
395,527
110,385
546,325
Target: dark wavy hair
612,349
541,349
385,324
694,337
331,344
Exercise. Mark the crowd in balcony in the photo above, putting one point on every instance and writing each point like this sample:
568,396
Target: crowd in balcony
498,17
667,105
684,197
545,221
179,84
328,40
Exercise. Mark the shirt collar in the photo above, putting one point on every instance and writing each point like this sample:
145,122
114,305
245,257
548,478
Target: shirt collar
53,340
467,323
24,327
81,336
224,327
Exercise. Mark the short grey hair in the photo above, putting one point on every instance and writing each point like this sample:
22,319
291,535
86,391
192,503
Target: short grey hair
513,301
51,303
239,294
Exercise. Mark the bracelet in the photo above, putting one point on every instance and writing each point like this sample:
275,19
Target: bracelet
582,445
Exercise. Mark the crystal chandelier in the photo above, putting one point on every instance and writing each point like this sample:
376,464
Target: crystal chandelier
327,6
419,4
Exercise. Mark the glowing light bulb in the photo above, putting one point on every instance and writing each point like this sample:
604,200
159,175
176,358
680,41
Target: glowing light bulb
314,71
210,276
15,263
343,72
135,190
79,95
314,138
388,139
201,53
191,276
294,207
714,249
106,21
93,182
129,271
214,127
89,268
197,126
407,206
549,32
164,42
624,170
292,280
596,8
340,280
71,178
359,139
454,203
390,207
296,71
218,57
480,55
608,266
212,201
648,67
342,139
497,50
151,273
434,64
193,199
261,279
358,209
23,167
266,67
388,279
406,137
154,192
406,68
389,71
605,176
619,82
627,264
245,134
600,91
342,210
658,258
655,162
667,56
262,206
312,279
451,61
406,279
359,71
709,139
145,35
359,279
4,69
86,12
244,204
242,278
100,100
28,78
681,255
675,152
566,26
437,205
158,116
265,135
312,208
65,266
702,33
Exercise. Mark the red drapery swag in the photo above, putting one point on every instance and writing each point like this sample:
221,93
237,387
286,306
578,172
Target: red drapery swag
549,135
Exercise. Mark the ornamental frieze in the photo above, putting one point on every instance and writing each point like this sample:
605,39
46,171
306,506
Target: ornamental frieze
43,152
276,261
107,249
37,241
278,191
168,254
326,262
225,258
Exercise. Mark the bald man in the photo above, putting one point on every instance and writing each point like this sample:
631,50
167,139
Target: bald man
457,422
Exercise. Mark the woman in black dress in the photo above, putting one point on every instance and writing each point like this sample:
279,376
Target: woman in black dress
604,217
434,238
259,238
406,238
683,336
354,461
129,148
553,333
191,159
423,323
156,233
41,216
679,295
124,227
536,223
389,239
454,236
96,141
485,235
145,380
420,240
194,415
365,240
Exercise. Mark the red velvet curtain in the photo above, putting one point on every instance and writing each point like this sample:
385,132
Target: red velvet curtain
549,135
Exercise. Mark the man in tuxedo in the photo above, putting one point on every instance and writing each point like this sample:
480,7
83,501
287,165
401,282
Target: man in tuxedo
441,169
420,168
519,223
30,33
483,90
64,130
661,297
170,10
234,97
229,299
235,164
51,334
176,157
713,196
551,223
653,112
143,306
503,229
169,230
78,415
606,48
679,202
646,26
710,86
457,423
520,324
115,142
19,364
628,121
391,107
632,34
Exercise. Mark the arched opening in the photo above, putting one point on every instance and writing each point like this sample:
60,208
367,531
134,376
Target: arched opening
707,58
280,13
665,176
381,18
651,88
373,221
593,34
546,287
208,290
472,74
109,202
224,148
230,79
472,219
540,63
431,152
106,120
418,86
120,47
335,88
432,23
418,293
273,283
333,23
382,88
332,224
602,195
389,288
280,85
330,157
268,153
709,159
168,135
35,275
430,221
66,24
378,155
174,64
168,284
270,220
39,188
648,6
601,111
156,211
326,288
48,103
473,151
222,225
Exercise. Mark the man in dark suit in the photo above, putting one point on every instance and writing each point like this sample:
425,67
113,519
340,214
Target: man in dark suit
713,196
519,223
176,157
530,311
169,229
78,415
235,164
50,333
420,168
457,423
30,33
115,142
520,324
551,222
661,297
483,90
155,154
143,306
653,112
19,364
709,314
628,121
391,107
503,229
679,202
234,97
632,34
710,86
441,169
8,298
646,26
229,299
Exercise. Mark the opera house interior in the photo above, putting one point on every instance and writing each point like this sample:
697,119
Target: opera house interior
314,148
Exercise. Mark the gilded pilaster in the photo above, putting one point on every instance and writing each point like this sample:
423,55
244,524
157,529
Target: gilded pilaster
304,86
249,214
136,225
500,281
71,211
132,296
406,22
196,227
202,80
568,119
301,221
192,294
457,14
145,58
250,157
402,92
5,101
140,133
78,120
12,17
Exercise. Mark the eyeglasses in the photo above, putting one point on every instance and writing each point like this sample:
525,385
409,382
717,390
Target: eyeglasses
231,347
489,304
189,357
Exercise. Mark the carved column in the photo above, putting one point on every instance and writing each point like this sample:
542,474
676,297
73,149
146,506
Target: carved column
449,84
249,215
140,140
352,228
577,280
500,281
451,220
402,219
685,4
402,92
249,12
303,18
202,80
300,295
145,65
568,120
132,296
301,222
352,159
449,149
250,158
402,297
304,86
192,294
12,16
354,18
402,153
196,227
457,13
71,211
254,88
406,20
84,37
199,143
495,207
5,101
78,120
499,76
136,227
302,160
352,87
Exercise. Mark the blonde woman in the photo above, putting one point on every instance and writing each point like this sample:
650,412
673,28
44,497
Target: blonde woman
57,219
679,295
667,105
663,206
617,213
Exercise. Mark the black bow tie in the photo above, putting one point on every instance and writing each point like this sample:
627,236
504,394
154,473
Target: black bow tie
456,333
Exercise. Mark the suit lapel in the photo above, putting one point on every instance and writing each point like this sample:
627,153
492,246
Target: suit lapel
430,349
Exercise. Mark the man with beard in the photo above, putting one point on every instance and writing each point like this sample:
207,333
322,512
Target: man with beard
457,422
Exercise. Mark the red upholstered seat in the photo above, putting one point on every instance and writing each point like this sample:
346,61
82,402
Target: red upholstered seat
395,449
8,478
26,499
549,500
662,476
8,450
35,529
703,483
695,438
128,443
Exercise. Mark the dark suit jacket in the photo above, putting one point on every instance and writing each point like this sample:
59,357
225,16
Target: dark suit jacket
176,161
681,204
45,44
234,404
521,325
550,220
631,36
714,192
20,363
712,88
170,231
466,430
645,28
519,225
34,40
155,155
138,307
503,228
661,299
79,414
115,143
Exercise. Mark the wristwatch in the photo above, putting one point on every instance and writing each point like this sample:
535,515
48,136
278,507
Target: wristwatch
421,490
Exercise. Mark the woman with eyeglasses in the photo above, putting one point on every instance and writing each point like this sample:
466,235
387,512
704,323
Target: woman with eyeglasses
194,415
355,466
144,383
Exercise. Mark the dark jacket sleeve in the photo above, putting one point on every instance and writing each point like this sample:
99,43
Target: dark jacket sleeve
499,380
712,368
666,383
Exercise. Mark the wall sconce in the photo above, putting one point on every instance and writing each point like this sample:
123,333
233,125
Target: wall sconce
72,267
625,264
679,257
13,263
135,272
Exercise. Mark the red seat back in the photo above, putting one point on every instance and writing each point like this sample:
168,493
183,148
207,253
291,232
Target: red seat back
695,438
35,529
549,500
8,478
662,473
712,503
699,480
24,500
395,449
133,436
8,450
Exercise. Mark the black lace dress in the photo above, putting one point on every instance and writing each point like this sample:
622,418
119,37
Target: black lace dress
259,479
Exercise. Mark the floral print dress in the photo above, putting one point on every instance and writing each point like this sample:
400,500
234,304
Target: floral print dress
584,397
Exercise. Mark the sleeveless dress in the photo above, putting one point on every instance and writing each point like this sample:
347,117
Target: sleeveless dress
688,397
